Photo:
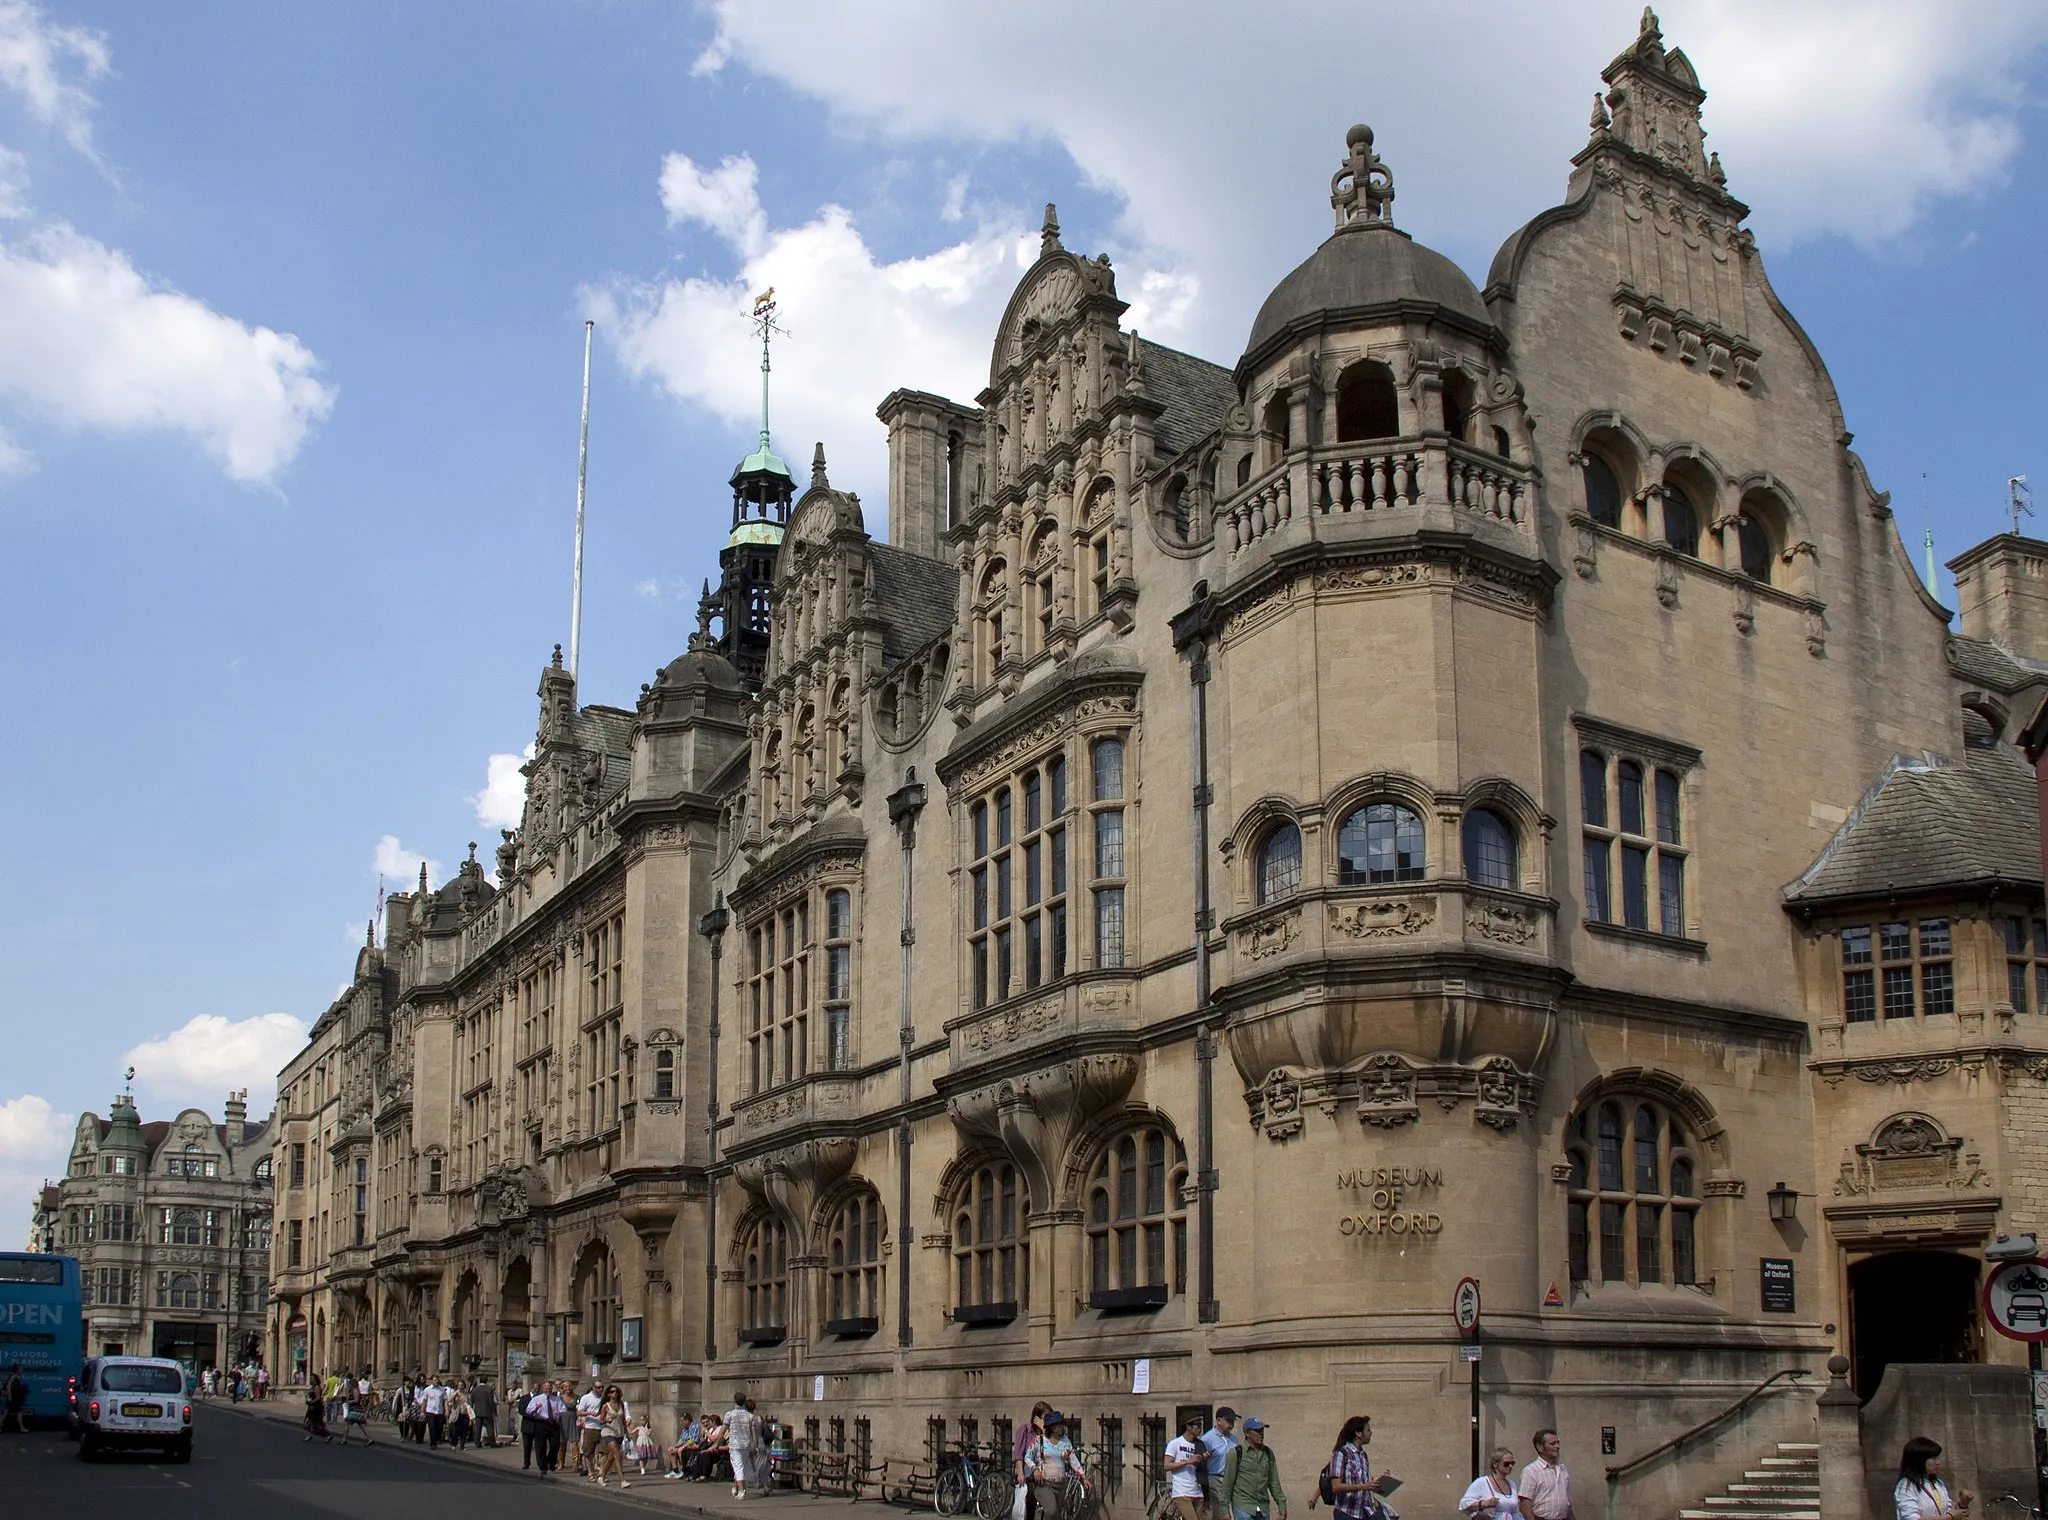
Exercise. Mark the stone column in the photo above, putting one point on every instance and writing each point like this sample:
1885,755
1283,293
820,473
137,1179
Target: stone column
1843,1495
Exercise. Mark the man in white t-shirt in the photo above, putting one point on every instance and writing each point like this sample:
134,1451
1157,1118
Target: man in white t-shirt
434,1400
1187,1461
740,1426
587,1435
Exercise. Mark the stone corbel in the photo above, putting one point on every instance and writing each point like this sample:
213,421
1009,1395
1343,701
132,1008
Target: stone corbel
1036,1118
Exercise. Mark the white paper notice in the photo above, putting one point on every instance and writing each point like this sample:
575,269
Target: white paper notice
818,1389
1141,1375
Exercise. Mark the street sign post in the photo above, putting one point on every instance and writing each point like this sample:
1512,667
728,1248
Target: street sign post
2016,1306
1465,1314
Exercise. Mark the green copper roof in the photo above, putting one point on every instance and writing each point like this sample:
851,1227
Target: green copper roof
762,462
756,532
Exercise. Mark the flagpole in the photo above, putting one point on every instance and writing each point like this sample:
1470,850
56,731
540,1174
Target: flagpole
582,475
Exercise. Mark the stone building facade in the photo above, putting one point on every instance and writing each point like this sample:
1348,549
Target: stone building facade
1473,789
170,1222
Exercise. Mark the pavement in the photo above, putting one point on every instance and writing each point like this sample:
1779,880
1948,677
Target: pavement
492,1474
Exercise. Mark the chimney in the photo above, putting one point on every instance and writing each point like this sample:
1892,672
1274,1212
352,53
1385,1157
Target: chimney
2002,592
236,1115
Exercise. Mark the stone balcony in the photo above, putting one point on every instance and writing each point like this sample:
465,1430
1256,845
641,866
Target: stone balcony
1350,492
1040,1020
1406,918
822,1100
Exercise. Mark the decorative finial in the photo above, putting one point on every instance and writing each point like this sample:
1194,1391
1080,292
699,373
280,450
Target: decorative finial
556,663
1715,172
370,936
423,877
818,480
765,324
1362,190
1601,120
472,852
1049,234
1650,28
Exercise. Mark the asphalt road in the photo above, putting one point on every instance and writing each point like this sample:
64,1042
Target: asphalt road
247,1466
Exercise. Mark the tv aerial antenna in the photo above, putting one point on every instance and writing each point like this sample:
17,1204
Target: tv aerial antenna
2020,494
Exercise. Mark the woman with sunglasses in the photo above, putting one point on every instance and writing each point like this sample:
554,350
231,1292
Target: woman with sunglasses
1492,1495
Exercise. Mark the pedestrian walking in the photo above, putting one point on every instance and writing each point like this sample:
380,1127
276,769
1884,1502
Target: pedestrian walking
483,1399
1052,1460
547,1410
316,1414
739,1442
461,1421
1027,1432
17,1401
1920,1493
355,1418
1186,1461
1354,1491
434,1405
1218,1442
262,1383
1493,1495
1546,1487
1250,1486
612,1424
643,1449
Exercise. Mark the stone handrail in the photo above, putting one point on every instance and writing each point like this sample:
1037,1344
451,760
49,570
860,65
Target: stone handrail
1381,475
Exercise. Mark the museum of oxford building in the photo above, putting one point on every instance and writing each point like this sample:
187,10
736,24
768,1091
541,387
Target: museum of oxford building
1475,790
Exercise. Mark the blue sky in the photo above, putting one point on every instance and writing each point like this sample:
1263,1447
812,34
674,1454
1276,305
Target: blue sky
291,304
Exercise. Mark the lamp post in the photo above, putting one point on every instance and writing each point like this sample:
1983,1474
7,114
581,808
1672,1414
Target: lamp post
905,803
712,926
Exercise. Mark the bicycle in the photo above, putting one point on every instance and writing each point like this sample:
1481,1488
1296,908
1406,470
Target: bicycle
976,1478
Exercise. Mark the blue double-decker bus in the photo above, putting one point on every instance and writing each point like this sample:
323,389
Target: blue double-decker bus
42,1329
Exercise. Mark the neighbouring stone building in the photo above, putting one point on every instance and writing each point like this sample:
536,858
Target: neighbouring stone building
170,1222
1473,789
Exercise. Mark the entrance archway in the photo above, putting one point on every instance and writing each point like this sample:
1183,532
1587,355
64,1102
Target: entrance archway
1912,1306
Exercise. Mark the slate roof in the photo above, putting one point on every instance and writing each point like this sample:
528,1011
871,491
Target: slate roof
1931,823
1993,665
1196,394
914,597
608,730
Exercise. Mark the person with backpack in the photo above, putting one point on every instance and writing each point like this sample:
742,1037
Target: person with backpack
1250,1485
1347,1483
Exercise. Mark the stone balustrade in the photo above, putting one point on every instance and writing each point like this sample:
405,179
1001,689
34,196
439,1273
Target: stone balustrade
1350,481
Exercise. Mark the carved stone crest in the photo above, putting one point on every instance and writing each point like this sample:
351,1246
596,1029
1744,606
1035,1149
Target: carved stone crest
1272,937
1382,917
1501,924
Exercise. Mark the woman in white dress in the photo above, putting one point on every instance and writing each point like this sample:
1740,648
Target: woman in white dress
1492,1495
1921,1495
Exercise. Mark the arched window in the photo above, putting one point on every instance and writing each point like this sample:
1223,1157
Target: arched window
1244,470
1107,858
1137,1224
1603,491
1279,863
1277,429
838,979
1382,841
853,1266
1681,520
764,1275
1178,503
991,1261
1457,398
1753,546
1366,403
993,588
597,1295
664,1074
1633,1208
183,1228
1489,849
184,1291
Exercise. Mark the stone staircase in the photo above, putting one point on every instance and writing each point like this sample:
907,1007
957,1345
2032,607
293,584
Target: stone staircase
1783,1486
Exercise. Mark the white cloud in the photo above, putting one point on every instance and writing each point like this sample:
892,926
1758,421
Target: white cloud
1848,116
503,800
200,1063
87,342
13,183
14,459
860,326
35,1146
726,199
399,868
49,67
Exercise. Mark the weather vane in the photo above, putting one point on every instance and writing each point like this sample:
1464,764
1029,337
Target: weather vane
765,324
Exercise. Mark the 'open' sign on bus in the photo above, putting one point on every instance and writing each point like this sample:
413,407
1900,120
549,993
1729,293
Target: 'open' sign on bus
29,1314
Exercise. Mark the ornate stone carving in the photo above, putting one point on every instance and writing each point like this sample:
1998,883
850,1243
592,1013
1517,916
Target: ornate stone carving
1005,756
1501,924
1009,1026
1273,937
1280,1106
1382,917
1924,1069
1386,1093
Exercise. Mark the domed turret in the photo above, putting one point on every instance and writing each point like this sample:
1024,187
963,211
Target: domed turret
1367,267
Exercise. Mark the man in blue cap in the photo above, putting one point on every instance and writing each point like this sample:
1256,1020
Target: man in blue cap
1251,1479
